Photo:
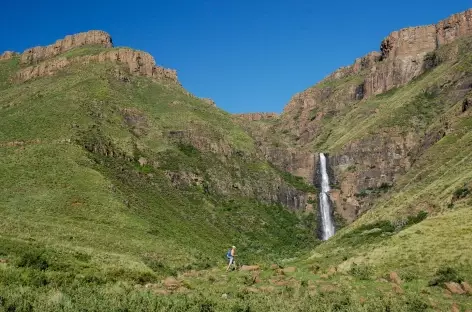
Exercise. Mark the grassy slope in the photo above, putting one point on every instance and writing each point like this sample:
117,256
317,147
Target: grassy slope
381,241
111,237
103,219
384,239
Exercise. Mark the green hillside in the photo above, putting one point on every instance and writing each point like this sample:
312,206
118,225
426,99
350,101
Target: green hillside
109,178
123,193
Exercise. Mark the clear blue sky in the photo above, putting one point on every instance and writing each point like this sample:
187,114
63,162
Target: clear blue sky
248,55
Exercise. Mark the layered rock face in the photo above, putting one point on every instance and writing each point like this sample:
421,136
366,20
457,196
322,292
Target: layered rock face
93,37
456,26
370,164
374,162
137,62
257,116
43,61
402,54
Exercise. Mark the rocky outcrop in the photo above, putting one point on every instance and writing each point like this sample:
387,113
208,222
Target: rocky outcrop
7,55
409,42
373,163
137,62
299,163
403,51
44,63
257,116
369,166
93,37
456,26
44,69
359,65
209,101
402,54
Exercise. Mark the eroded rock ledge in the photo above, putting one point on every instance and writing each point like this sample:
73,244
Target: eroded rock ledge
402,53
257,116
93,37
138,62
47,60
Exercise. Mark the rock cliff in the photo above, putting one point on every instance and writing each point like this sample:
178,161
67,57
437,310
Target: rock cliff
93,37
45,61
402,54
257,116
370,164
137,62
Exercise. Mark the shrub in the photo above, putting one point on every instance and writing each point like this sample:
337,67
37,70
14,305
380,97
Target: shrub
362,193
460,193
352,168
443,275
418,218
408,274
384,187
403,223
249,280
238,308
207,307
33,259
158,267
296,181
416,304
431,60
188,149
363,272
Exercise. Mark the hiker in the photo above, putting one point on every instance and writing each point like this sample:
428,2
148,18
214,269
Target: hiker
230,255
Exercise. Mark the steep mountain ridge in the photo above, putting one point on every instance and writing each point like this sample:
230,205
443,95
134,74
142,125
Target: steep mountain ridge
105,154
44,61
346,113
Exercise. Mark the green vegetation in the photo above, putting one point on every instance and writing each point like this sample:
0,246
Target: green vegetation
297,182
82,51
124,195
444,275
461,193
108,185
383,188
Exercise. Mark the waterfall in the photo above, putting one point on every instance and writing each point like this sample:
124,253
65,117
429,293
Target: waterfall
327,225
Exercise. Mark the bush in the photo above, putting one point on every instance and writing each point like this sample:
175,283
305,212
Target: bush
362,193
384,187
408,274
416,304
460,193
158,267
418,218
363,272
352,168
188,149
207,306
443,275
431,60
238,308
34,260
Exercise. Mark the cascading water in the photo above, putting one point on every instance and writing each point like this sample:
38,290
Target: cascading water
327,226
